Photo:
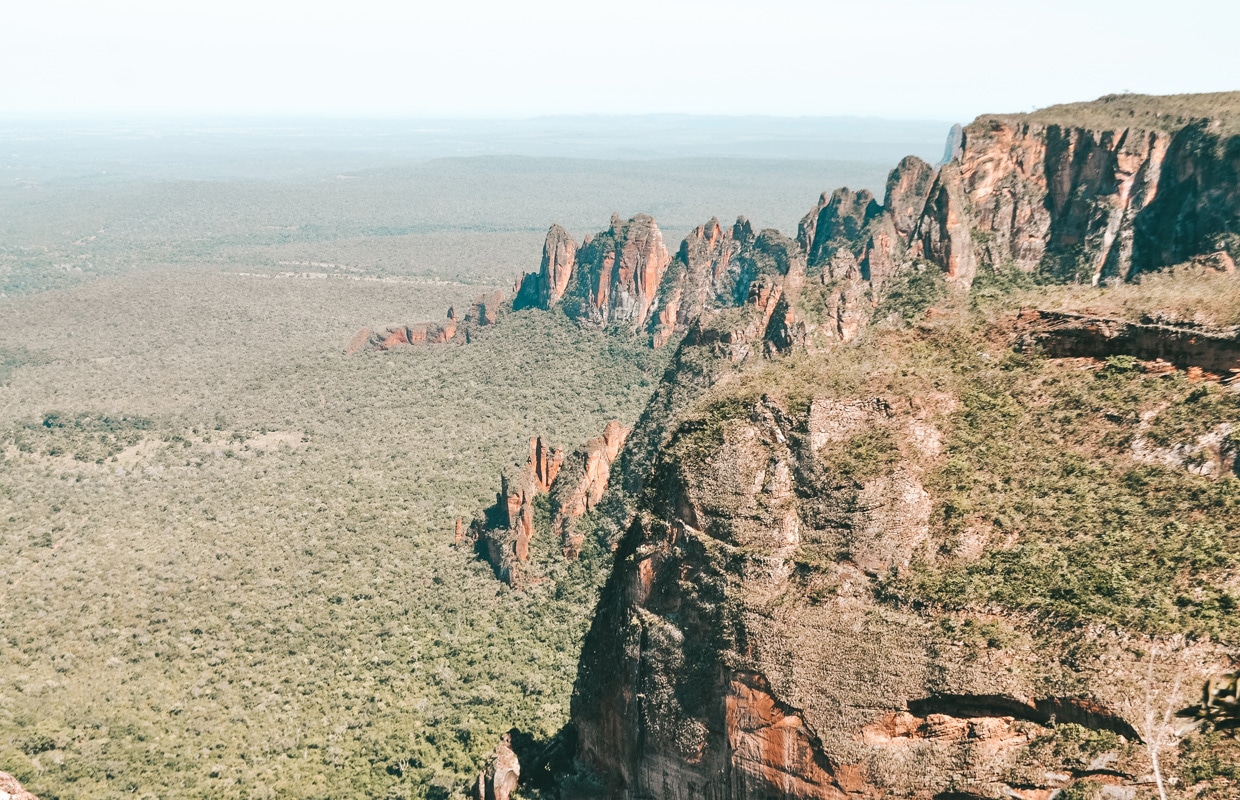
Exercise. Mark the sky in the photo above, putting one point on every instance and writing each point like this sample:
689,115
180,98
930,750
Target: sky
897,59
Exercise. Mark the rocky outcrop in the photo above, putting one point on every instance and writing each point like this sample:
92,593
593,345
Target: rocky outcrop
620,271
584,478
1065,335
1083,202
710,671
1087,192
499,780
502,534
484,311
543,289
840,223
908,188
10,789
700,278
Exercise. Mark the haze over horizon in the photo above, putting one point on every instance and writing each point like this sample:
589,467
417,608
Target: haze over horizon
899,59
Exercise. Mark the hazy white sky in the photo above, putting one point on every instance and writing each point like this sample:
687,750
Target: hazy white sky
949,59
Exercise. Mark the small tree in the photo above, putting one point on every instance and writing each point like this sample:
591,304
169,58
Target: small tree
1157,731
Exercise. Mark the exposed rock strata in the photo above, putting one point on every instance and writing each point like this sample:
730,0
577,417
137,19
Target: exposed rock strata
586,474
543,289
1064,335
1075,196
1082,203
708,672
619,273
499,780
503,532
742,646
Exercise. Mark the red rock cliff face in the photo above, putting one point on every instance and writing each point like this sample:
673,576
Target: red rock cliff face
576,483
700,265
620,272
10,788
543,289
559,260
502,534
1081,204
586,476
1019,193
708,672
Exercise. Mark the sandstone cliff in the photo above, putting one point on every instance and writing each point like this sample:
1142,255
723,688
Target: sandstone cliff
575,484
503,532
583,480
742,646
543,289
1080,193
1086,192
869,570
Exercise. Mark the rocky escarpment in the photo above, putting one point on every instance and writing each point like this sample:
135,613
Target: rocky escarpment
1104,190
739,648
1213,354
612,279
502,533
1086,192
583,479
757,636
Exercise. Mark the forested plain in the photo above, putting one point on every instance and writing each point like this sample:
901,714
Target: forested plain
226,561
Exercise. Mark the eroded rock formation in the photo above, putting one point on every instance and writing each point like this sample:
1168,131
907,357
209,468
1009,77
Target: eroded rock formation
1083,201
710,671
585,476
749,642
576,483
1064,335
484,311
618,275
543,289
499,780
1087,192
503,533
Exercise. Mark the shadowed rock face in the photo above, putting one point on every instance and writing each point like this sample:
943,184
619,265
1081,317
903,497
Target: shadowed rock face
908,187
1197,209
585,478
699,279
1064,335
543,289
840,222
